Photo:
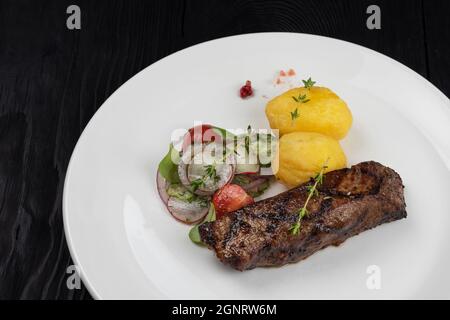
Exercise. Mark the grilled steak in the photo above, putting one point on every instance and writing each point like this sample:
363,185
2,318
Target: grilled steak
350,201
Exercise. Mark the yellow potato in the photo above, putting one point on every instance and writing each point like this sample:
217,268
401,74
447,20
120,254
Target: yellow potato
302,154
325,112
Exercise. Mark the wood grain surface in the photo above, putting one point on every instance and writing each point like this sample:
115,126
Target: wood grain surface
52,80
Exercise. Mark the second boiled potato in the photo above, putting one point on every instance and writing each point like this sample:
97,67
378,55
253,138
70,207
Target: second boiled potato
301,156
323,111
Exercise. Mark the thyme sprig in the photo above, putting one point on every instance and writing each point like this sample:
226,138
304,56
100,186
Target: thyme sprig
301,98
312,191
295,114
308,83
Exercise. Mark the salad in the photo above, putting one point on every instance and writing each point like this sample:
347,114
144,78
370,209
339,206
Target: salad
209,172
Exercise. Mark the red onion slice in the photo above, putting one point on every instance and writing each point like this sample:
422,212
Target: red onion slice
224,173
187,212
162,185
192,167
254,184
186,158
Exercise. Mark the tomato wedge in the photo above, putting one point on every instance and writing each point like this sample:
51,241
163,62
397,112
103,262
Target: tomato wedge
229,198
200,134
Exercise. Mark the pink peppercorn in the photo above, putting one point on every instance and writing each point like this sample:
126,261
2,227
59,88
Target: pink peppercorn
246,90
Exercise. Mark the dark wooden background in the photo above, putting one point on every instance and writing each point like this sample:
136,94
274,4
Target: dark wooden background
52,80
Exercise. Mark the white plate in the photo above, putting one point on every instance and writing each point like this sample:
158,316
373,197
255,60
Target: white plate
127,245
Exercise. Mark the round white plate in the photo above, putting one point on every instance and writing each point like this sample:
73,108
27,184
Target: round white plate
125,243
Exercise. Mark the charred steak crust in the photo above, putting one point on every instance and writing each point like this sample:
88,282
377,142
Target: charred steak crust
350,201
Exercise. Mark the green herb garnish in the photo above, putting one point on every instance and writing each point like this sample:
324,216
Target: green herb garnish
294,114
301,98
312,190
308,83
211,172
197,183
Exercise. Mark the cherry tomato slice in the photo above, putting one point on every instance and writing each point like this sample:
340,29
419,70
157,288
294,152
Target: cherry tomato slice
200,134
229,198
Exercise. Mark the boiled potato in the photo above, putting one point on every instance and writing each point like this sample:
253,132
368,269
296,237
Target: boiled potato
301,156
324,113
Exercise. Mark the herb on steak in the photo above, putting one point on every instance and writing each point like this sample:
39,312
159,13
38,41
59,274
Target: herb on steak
312,190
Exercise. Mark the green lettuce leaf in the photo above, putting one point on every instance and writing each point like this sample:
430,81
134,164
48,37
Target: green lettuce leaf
167,168
194,233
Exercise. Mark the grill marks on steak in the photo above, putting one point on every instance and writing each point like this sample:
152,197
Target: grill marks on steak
350,201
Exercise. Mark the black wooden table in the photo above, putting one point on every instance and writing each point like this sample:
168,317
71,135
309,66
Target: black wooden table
52,80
